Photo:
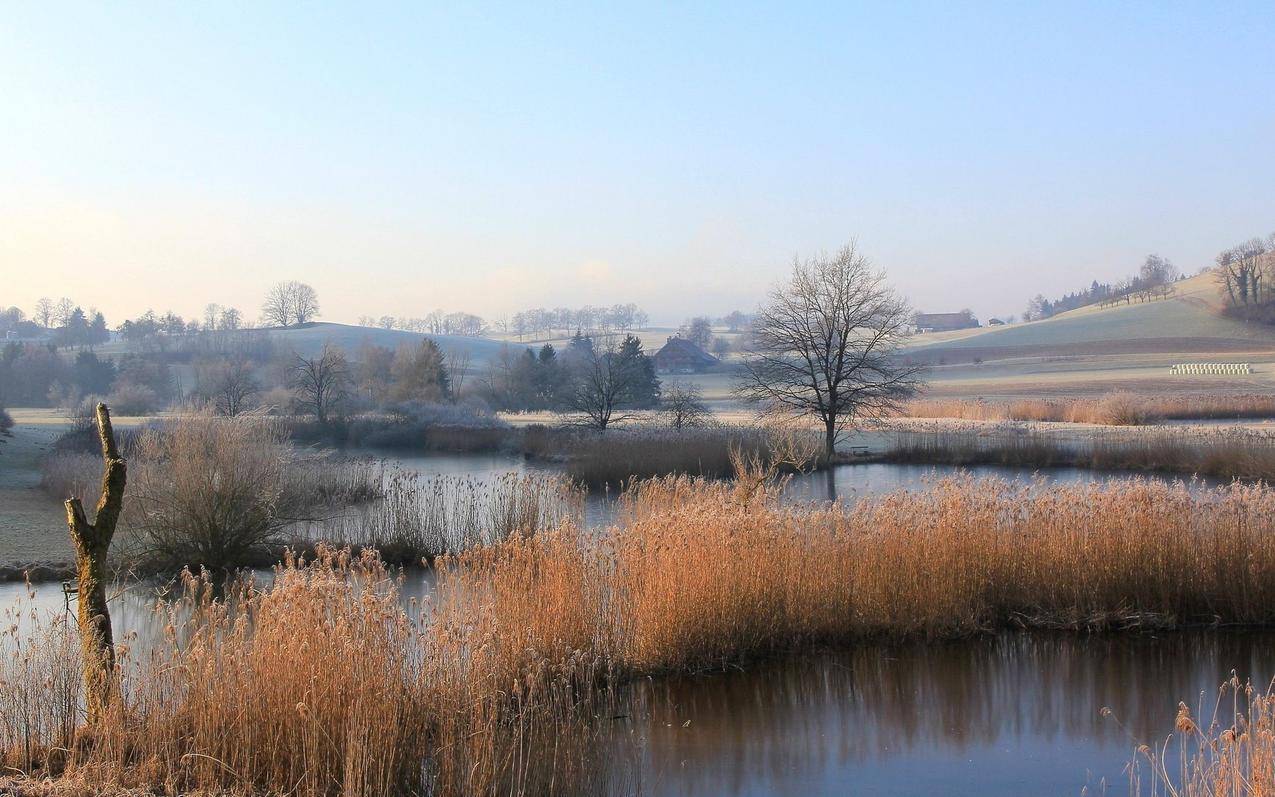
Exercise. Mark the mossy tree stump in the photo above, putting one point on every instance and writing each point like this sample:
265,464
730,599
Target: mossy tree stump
92,540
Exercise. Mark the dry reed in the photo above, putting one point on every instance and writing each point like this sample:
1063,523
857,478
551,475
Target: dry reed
1233,755
423,518
1117,408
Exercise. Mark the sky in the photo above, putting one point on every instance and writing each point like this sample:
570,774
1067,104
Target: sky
407,157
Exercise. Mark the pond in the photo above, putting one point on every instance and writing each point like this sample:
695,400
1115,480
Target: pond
1010,714
1001,715
843,482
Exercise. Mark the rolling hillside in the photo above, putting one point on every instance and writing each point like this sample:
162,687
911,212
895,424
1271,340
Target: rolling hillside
1187,323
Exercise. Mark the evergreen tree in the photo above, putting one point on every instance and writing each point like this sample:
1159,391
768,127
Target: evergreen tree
643,387
91,375
98,332
420,373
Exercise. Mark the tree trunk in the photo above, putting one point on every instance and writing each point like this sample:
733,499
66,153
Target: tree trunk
829,440
92,540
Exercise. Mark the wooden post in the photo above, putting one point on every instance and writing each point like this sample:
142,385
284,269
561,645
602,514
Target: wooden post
91,542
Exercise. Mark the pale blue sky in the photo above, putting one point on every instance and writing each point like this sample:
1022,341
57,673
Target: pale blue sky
402,157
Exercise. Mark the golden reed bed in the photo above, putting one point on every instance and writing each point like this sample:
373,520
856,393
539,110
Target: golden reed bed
327,684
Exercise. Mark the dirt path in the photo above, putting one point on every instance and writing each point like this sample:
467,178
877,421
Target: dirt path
32,529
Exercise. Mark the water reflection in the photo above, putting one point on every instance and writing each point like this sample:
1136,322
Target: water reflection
1014,714
849,482
1006,715
843,482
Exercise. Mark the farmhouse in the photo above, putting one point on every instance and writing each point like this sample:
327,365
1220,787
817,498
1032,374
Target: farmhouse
680,356
945,322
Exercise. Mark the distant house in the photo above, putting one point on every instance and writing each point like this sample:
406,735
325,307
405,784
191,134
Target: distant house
945,322
680,356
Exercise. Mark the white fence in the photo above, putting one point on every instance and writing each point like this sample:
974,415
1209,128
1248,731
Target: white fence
1211,369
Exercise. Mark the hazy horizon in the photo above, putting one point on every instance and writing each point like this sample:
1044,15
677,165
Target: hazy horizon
488,160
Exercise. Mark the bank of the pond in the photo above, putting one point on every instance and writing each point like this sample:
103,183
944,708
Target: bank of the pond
427,494
1214,453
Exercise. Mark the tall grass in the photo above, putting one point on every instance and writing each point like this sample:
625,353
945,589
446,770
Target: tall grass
423,518
622,457
1228,753
1117,408
39,686
326,684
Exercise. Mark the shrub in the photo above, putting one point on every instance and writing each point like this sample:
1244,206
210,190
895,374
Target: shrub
132,399
278,401
6,420
425,425
209,491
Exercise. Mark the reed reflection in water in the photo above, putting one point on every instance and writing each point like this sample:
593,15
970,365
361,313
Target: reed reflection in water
1008,715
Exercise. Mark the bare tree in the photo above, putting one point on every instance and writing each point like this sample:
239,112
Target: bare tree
825,345
601,385
92,541
323,383
276,310
43,313
683,406
1241,270
63,311
698,330
305,302
230,319
230,385
459,368
212,312
290,302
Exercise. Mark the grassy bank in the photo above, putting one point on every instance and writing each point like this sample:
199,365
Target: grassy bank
1117,408
1215,453
334,687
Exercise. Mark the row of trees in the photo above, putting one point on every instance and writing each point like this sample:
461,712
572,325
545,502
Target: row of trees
436,323
602,379
1151,281
36,375
539,322
289,303
65,324
824,346
1246,273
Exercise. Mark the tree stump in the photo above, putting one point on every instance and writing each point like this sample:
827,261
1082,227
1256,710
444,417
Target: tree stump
92,540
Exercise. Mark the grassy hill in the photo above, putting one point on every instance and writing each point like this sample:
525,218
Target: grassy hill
1091,350
310,339
1187,323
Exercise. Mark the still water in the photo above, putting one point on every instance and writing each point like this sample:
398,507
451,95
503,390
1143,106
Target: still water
843,482
1006,715
1017,714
